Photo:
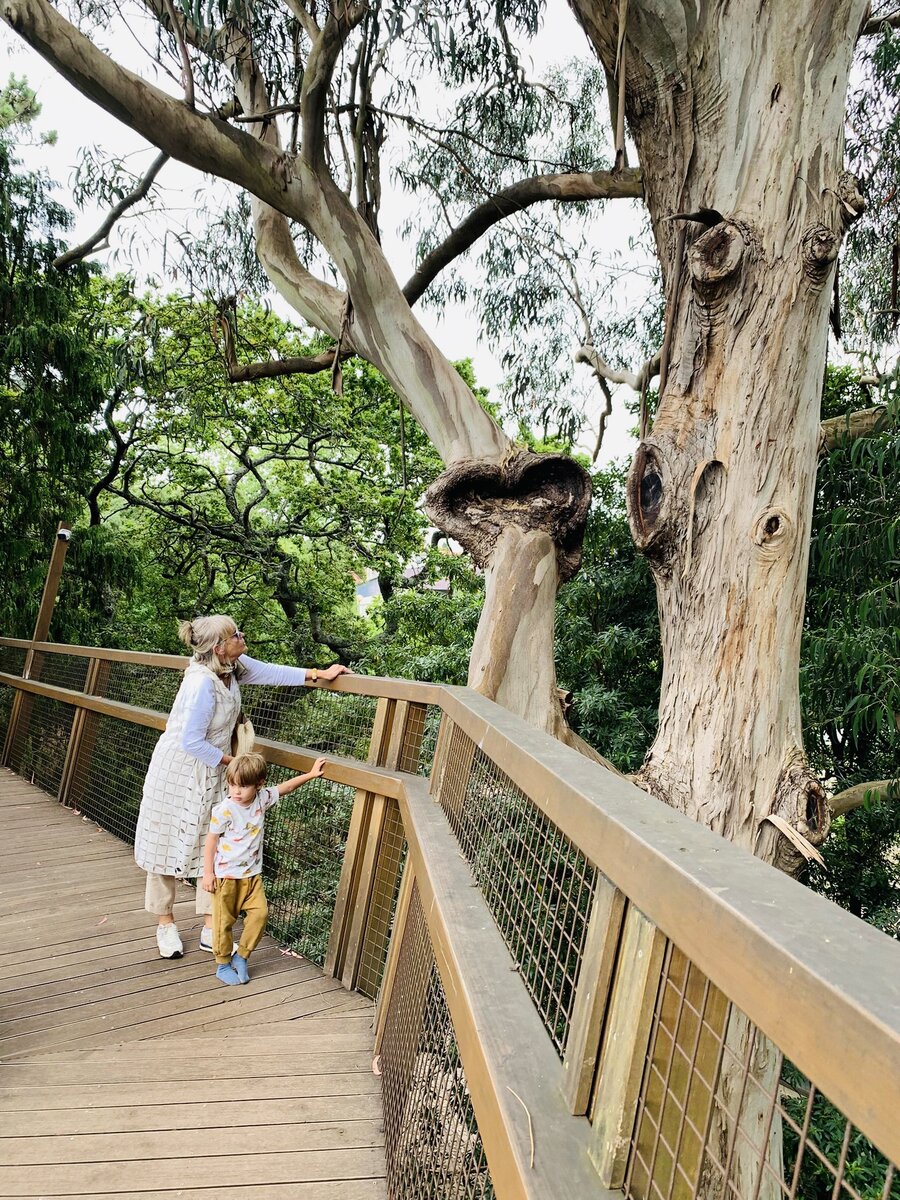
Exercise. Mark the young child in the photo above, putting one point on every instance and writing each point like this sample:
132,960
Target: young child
232,859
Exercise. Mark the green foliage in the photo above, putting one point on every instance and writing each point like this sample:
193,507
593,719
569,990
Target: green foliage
51,386
850,670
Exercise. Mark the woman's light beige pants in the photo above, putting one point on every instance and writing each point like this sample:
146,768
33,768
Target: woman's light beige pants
159,897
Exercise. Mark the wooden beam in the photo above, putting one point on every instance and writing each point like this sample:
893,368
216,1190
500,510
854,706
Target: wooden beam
512,1069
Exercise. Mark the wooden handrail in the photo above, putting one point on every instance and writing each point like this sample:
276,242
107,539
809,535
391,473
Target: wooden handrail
758,935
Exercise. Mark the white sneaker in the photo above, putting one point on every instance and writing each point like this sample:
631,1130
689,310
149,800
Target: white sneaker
206,941
168,941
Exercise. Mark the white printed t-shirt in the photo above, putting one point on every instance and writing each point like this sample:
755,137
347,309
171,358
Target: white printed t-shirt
240,828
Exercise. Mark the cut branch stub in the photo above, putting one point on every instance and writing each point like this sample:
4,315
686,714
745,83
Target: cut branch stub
802,801
474,501
820,249
717,254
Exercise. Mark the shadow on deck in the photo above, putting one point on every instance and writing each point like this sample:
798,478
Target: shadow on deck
124,1074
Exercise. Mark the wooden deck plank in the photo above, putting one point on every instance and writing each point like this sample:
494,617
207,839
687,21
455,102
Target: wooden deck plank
118,1069
259,1170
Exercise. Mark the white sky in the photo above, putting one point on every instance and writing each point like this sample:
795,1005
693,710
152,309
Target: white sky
80,122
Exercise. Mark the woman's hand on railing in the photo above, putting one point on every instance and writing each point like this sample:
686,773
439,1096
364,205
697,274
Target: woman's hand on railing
331,673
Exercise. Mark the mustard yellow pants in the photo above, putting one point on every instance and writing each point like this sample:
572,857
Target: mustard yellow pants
230,898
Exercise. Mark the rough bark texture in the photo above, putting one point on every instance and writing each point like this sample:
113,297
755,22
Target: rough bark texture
737,115
477,502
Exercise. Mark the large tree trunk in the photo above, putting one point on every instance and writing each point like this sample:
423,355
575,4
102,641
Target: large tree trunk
737,113
737,116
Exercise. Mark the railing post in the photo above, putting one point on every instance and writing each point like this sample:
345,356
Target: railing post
20,712
625,1042
84,733
592,989
348,885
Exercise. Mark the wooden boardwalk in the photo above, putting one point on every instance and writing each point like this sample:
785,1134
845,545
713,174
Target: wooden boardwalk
123,1074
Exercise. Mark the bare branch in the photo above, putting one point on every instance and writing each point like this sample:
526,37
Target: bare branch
275,368
865,423
637,382
587,185
187,74
94,242
855,796
306,19
874,25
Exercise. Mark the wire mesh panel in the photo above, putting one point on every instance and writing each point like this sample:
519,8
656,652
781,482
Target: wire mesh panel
723,1114
61,670
537,884
108,776
6,703
139,684
326,722
433,1147
422,724
38,751
383,903
305,836
12,659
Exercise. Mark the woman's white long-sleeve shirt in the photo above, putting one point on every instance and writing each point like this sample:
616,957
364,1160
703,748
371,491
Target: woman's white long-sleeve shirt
194,739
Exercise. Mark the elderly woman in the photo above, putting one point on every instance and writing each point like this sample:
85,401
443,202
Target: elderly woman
186,772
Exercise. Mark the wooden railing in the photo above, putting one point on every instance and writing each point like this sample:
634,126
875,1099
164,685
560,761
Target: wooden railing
578,990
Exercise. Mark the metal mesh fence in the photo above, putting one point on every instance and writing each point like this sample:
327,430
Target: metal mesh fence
305,837
61,670
6,702
134,683
432,1142
392,853
38,751
422,724
722,1113
326,722
12,659
108,776
537,884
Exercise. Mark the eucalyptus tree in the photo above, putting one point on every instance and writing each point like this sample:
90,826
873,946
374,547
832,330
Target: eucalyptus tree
737,118
266,496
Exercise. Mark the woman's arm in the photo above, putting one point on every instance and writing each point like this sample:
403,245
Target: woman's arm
271,673
199,715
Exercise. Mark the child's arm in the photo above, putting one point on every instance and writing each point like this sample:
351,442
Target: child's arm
316,771
209,855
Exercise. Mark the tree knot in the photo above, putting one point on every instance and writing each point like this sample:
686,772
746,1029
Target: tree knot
800,800
716,256
820,249
474,501
853,203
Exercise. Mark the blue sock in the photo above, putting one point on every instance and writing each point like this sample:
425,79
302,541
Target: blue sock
227,973
240,968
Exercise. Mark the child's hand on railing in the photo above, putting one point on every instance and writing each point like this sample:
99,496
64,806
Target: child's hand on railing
317,770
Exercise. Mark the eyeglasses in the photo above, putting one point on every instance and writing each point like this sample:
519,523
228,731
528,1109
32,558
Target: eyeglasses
238,633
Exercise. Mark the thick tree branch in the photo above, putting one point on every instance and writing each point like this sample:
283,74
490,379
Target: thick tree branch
200,140
874,25
94,242
855,796
864,423
317,78
588,185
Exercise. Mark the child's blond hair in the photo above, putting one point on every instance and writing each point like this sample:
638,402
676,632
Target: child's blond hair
247,769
